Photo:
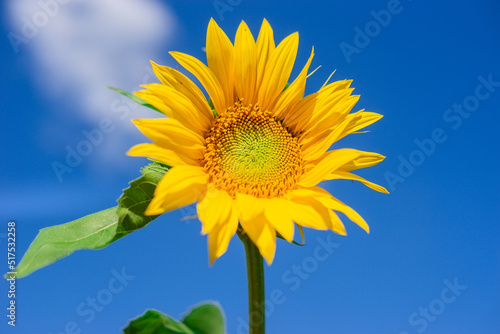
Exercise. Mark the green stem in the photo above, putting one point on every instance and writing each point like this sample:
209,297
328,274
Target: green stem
255,273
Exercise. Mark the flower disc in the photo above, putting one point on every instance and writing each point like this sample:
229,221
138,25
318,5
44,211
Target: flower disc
250,152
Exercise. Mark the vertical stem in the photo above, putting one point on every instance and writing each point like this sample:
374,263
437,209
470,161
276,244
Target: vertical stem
255,273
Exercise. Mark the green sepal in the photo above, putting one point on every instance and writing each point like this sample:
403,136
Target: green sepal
204,319
134,98
278,235
301,230
211,105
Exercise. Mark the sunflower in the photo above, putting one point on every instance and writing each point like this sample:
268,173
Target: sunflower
253,154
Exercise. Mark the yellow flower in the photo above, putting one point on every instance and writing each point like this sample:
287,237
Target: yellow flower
256,159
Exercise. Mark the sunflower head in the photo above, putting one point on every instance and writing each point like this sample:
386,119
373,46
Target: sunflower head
254,160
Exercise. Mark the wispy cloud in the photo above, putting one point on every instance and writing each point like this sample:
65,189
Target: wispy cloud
77,46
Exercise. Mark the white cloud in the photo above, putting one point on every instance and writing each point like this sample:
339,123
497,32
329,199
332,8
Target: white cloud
77,46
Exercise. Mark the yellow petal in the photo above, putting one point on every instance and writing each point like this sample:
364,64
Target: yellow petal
301,111
337,225
329,163
333,203
219,237
294,92
305,114
214,208
170,157
154,100
358,121
175,79
245,61
366,159
275,210
262,235
220,60
337,205
311,200
206,77
176,105
318,145
248,206
307,211
277,72
265,48
168,132
180,186
256,225
190,155
324,99
350,176
334,112
219,216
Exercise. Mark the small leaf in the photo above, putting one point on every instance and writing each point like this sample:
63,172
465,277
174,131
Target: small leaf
136,198
53,243
134,98
206,319
154,322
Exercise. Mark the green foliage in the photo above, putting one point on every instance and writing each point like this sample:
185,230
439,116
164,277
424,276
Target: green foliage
134,98
204,319
53,243
135,199
96,230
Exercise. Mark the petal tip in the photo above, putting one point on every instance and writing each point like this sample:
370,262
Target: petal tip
151,211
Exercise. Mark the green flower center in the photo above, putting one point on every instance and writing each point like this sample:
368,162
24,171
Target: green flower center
248,151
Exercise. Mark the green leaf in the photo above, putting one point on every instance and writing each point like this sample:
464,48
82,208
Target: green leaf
154,322
204,319
96,230
53,243
136,198
134,98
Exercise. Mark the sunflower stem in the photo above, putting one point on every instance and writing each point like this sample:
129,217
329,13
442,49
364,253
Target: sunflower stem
255,273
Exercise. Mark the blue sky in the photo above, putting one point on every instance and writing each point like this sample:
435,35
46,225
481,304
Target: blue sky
431,263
